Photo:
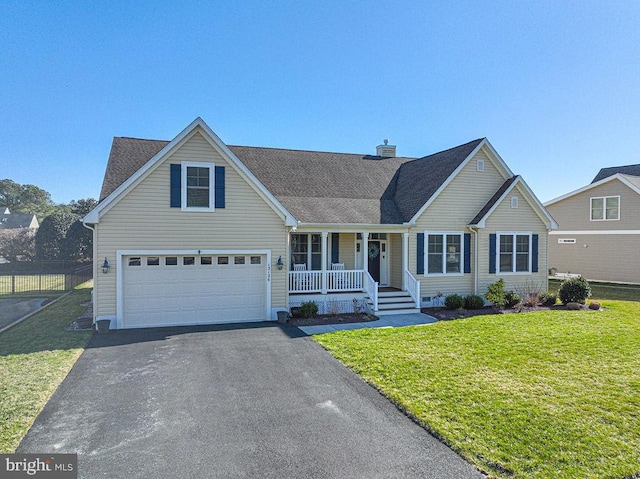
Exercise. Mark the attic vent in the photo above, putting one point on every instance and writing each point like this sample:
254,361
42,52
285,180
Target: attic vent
480,165
386,150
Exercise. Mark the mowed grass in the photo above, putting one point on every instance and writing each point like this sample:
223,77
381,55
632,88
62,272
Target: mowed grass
552,394
35,356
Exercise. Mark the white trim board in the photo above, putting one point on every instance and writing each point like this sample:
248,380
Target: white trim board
595,232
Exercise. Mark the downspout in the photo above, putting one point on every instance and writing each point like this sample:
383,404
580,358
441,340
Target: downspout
475,259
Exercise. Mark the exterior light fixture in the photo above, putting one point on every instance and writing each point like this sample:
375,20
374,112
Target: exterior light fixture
279,263
105,266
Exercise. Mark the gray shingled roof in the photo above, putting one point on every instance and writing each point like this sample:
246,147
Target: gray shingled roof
633,170
493,200
321,187
127,156
9,221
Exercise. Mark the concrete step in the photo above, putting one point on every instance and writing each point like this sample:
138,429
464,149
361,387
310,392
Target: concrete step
388,312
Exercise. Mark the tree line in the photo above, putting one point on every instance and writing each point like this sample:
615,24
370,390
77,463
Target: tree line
61,235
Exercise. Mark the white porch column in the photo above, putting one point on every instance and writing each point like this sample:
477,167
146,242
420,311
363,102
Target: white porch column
365,251
324,248
405,258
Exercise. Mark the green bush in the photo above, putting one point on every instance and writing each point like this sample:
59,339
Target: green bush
574,290
454,301
473,302
548,298
309,309
495,293
512,299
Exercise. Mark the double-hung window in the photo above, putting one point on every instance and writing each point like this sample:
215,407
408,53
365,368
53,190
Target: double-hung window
197,186
514,252
444,252
307,249
605,208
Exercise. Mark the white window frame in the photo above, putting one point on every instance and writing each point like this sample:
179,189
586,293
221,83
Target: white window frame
444,253
183,185
604,208
310,253
514,234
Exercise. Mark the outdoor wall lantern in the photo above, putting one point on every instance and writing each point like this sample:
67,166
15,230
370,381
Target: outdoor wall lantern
105,266
279,263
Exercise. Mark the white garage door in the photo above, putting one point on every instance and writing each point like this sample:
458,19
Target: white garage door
204,289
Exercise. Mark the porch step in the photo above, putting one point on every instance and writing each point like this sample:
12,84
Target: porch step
395,302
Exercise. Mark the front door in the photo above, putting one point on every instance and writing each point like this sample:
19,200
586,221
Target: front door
373,254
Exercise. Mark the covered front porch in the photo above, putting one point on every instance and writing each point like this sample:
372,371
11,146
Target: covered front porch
335,263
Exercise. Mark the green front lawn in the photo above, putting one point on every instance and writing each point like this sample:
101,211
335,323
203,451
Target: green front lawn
536,395
35,356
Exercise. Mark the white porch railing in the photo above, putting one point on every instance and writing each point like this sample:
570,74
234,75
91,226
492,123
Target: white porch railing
305,281
345,280
371,288
412,286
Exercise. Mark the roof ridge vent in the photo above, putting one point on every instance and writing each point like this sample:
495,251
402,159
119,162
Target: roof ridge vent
386,150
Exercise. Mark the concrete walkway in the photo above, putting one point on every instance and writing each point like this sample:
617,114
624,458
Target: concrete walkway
391,321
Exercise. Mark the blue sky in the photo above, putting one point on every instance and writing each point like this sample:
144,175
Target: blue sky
554,85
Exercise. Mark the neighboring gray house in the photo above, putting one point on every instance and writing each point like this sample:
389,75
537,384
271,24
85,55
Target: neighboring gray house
12,221
599,231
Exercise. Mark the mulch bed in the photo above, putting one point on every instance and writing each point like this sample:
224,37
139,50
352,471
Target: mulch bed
447,314
332,319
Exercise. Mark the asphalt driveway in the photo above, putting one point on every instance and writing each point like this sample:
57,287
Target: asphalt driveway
230,401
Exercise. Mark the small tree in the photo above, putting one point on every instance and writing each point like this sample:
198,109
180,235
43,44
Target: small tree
495,293
77,243
17,245
574,290
51,235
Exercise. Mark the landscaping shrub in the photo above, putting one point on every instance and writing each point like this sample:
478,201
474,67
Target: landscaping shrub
473,302
548,298
309,309
454,301
495,293
574,290
512,299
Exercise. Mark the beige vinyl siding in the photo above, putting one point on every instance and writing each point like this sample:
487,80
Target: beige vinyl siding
451,211
601,257
143,220
347,250
507,219
395,260
574,213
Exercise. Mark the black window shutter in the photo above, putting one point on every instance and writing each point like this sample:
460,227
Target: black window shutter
420,254
175,185
492,253
467,253
534,253
219,188
335,247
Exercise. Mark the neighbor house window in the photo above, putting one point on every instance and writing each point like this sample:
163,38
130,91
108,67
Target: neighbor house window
197,186
307,249
605,208
514,252
444,253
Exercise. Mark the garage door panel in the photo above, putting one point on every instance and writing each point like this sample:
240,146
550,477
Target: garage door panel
163,295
